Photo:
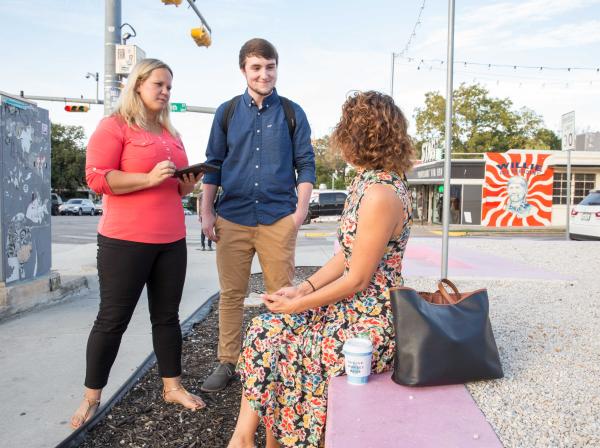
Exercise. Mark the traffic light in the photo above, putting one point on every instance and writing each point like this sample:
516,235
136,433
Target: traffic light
172,2
75,108
201,36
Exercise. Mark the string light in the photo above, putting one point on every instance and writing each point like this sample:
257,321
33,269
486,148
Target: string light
413,34
513,66
518,80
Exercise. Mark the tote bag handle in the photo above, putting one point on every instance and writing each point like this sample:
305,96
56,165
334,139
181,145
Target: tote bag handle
447,297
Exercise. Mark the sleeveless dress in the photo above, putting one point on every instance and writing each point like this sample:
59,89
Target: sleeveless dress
287,359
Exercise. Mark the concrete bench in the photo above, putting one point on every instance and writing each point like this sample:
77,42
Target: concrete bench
383,414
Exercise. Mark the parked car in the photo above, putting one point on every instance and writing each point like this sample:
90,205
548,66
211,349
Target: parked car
584,223
325,203
98,208
56,203
187,211
77,207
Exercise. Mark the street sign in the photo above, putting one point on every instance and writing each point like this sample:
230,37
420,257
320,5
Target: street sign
178,107
568,131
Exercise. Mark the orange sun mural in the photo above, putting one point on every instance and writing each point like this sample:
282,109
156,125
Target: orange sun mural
517,190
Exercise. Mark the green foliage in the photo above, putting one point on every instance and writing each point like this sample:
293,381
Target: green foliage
330,165
67,151
482,123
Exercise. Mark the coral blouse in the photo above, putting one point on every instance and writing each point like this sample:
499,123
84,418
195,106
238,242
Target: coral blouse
152,215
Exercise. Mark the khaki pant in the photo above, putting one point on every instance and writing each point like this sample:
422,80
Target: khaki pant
275,245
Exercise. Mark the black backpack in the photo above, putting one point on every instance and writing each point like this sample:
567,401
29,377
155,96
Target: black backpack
288,110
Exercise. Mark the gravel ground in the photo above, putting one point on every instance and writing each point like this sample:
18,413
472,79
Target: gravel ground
547,334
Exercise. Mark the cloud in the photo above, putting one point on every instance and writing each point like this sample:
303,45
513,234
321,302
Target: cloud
498,15
569,35
517,25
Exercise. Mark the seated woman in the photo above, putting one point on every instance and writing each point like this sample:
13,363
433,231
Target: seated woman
290,354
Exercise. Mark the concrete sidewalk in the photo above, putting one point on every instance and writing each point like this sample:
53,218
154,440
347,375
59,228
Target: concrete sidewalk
42,352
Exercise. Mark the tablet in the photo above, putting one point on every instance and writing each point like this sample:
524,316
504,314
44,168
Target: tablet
197,169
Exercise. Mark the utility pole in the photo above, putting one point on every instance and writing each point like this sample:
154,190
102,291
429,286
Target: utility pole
448,151
392,75
96,77
112,37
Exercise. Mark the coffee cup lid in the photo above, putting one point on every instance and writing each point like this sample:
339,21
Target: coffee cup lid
358,345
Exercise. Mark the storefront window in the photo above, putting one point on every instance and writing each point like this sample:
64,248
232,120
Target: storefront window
581,184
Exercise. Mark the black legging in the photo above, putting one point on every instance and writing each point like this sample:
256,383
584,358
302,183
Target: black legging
124,267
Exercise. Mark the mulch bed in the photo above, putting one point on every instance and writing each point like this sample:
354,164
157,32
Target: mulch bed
142,419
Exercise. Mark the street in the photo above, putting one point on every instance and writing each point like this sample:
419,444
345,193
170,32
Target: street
83,230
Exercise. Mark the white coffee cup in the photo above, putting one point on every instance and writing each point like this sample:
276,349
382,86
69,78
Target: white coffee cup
357,353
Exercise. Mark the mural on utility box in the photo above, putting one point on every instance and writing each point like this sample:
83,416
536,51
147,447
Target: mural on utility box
517,190
25,187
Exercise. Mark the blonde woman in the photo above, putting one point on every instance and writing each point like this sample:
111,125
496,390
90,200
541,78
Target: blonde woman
131,158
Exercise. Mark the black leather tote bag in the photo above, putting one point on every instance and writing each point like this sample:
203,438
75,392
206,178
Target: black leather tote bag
443,338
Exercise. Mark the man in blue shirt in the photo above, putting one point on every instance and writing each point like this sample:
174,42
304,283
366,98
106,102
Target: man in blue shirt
267,175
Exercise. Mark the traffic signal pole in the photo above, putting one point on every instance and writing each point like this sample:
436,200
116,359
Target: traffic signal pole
112,37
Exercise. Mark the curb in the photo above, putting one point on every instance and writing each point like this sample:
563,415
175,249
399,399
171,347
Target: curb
78,436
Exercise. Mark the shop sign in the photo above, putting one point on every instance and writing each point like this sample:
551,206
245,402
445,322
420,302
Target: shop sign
431,151
429,173
517,190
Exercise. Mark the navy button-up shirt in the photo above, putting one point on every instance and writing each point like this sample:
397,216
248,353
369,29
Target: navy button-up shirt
260,165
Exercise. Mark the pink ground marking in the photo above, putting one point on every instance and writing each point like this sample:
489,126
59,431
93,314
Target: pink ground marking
423,258
382,414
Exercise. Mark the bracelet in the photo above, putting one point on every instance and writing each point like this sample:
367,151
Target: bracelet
311,285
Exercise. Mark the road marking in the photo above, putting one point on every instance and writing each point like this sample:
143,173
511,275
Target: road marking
439,232
318,234
79,237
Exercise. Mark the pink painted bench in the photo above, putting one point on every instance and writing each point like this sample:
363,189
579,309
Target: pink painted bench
382,414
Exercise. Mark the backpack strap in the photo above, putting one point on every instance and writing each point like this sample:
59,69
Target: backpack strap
290,115
229,110
288,110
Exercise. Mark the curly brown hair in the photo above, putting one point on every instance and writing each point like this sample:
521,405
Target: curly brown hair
372,133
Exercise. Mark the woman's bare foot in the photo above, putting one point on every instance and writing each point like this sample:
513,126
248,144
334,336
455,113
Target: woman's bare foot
181,396
85,411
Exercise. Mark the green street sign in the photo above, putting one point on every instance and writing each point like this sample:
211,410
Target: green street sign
178,107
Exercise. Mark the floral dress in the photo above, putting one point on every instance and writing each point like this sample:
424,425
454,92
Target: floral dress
287,359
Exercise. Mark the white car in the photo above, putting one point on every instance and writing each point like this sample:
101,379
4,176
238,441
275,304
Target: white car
77,207
585,218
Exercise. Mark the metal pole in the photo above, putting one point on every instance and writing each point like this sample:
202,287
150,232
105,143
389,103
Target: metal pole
568,193
112,37
97,85
193,6
448,151
392,76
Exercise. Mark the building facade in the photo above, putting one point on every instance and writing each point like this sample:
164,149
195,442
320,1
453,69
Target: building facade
518,188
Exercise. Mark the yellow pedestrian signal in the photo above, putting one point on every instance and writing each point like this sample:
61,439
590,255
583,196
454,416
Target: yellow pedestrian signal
76,108
201,36
172,2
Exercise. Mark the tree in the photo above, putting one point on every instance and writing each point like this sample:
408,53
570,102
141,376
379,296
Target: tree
329,164
67,151
482,123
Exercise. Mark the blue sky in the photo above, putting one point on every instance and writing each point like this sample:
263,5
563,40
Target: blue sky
327,48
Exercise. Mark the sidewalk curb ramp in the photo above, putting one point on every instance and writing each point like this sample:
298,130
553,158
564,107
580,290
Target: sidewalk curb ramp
78,436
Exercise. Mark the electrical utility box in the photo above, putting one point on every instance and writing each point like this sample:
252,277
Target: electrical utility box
25,204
